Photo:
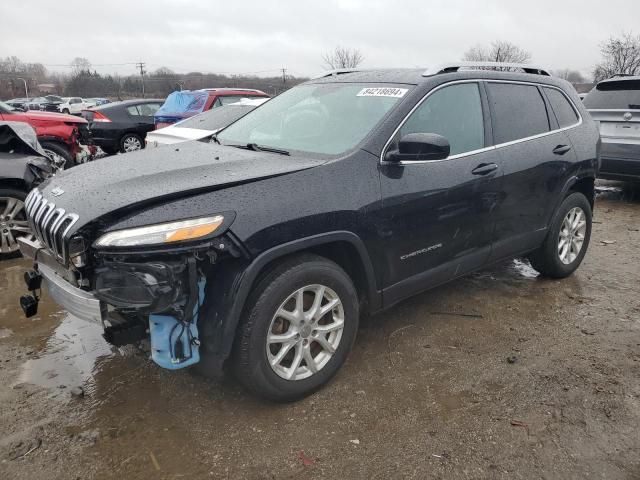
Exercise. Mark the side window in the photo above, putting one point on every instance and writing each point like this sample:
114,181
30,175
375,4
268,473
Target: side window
455,112
565,113
226,100
148,109
519,110
133,110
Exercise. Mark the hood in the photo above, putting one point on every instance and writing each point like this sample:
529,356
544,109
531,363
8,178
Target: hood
176,134
137,179
19,137
59,117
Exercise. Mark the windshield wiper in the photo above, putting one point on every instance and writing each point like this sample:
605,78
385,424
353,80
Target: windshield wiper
214,138
259,148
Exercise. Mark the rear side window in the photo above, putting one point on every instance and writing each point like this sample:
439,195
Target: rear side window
561,106
454,112
519,110
614,95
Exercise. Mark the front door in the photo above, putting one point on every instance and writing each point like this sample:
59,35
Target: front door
437,215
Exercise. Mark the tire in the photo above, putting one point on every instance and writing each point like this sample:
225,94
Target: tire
278,289
55,152
131,142
8,235
66,111
550,259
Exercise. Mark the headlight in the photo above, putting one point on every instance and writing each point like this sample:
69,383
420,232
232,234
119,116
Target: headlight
161,233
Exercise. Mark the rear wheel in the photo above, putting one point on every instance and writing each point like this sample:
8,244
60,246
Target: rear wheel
299,324
567,240
13,222
66,111
131,142
58,153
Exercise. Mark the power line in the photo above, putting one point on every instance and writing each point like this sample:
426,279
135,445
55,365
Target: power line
141,66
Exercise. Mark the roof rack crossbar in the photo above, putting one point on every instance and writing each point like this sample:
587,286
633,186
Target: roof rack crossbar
454,67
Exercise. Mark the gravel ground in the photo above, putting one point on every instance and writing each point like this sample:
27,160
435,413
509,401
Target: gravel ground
498,375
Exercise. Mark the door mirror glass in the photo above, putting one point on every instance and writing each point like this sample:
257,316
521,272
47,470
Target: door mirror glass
414,147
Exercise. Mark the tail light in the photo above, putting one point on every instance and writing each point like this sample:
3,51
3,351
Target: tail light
100,117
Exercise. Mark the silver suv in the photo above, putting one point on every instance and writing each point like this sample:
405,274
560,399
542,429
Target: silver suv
615,103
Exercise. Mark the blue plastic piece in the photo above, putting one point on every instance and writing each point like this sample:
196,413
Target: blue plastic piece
165,330
181,105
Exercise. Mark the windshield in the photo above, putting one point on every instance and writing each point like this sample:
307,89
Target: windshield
616,95
216,118
325,119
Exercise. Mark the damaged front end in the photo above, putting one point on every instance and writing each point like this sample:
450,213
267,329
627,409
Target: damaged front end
145,283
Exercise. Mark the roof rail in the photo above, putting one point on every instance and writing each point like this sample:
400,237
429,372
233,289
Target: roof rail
338,71
454,67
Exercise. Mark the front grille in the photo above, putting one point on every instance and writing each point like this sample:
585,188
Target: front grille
50,224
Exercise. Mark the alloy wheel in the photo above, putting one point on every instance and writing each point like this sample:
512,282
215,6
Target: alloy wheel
131,144
572,235
13,224
305,332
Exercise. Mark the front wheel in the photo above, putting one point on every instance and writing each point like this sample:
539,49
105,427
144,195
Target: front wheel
567,240
60,155
299,325
13,222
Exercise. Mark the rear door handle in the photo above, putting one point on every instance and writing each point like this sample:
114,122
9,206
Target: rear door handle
561,149
484,169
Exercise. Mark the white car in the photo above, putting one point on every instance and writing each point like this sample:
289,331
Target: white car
74,105
202,125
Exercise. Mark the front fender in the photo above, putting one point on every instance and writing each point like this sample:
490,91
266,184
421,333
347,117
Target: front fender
231,282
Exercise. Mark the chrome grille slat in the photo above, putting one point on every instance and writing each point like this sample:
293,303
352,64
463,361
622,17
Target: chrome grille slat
50,225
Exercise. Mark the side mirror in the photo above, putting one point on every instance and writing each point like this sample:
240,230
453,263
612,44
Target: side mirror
420,146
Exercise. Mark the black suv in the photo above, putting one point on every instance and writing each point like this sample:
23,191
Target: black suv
615,104
341,196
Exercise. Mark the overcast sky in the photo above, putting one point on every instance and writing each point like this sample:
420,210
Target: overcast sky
261,36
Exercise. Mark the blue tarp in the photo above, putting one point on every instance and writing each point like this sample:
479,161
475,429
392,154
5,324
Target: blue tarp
179,105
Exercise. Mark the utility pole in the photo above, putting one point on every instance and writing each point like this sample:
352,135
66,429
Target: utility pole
26,90
141,66
284,79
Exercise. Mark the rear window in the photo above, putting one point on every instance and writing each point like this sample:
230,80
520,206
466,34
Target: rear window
614,95
519,110
565,113
216,118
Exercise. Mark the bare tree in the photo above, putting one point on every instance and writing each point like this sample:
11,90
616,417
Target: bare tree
80,64
342,57
619,56
498,51
573,76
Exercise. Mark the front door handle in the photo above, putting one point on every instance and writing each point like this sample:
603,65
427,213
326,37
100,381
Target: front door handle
561,149
484,169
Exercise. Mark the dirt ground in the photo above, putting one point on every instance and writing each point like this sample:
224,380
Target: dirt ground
498,375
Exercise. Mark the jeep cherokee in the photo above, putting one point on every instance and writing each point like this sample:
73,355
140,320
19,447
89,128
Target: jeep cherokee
340,197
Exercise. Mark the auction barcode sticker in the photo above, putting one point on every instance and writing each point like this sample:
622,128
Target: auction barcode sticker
383,92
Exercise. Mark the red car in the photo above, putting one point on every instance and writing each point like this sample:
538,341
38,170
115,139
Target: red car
62,136
175,109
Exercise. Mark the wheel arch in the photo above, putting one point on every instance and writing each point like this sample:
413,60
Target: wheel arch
584,184
222,317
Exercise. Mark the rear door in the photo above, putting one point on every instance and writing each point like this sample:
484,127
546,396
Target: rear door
615,104
535,153
142,116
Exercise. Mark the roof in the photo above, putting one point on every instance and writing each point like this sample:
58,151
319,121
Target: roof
230,90
621,78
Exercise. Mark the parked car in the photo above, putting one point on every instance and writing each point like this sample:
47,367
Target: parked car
99,101
74,105
43,104
64,138
17,103
343,195
615,104
23,166
122,126
203,125
185,104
